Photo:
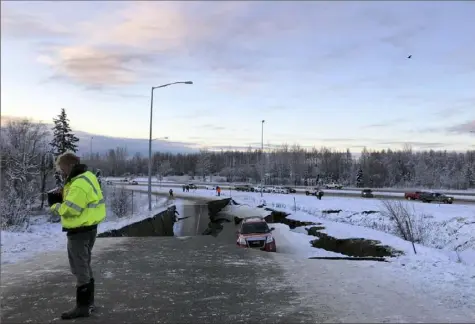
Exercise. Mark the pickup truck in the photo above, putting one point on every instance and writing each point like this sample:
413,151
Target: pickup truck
246,188
333,186
429,197
416,195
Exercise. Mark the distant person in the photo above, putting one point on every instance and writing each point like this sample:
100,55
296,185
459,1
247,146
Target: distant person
81,210
184,188
218,190
99,178
320,194
187,188
171,193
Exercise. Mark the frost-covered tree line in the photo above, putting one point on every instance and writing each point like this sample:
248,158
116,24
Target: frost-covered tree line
293,165
27,166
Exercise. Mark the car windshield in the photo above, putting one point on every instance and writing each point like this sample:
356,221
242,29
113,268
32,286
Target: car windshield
254,228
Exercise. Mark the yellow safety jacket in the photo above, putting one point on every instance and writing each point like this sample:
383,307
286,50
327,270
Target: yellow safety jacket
83,204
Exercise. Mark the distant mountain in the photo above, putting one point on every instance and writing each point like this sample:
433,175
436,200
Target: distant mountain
101,144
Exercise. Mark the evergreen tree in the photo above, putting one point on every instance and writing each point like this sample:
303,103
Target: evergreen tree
359,178
63,138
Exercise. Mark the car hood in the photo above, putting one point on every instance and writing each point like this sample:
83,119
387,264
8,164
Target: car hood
255,237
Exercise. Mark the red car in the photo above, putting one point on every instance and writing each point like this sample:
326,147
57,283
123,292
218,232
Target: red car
254,233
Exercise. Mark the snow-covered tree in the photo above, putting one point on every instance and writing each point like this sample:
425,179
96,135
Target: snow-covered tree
203,165
64,139
164,168
359,178
21,147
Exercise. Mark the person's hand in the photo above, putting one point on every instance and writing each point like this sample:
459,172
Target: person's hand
58,190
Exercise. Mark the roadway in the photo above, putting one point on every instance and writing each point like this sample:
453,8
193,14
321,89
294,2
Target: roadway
200,184
459,200
202,279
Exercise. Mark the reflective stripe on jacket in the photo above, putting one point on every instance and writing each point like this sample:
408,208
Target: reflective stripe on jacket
83,203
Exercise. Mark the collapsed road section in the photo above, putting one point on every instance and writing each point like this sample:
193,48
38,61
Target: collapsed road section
198,217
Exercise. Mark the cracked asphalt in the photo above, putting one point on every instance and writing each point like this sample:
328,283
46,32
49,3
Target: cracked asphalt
198,279
163,280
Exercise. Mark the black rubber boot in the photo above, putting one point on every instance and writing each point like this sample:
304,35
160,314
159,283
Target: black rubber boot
92,306
83,294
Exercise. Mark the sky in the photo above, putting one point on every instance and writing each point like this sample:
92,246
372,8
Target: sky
333,74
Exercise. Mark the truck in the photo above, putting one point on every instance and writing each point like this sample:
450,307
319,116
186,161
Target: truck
415,195
429,197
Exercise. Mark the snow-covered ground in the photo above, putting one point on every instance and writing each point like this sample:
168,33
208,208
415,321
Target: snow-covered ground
43,236
442,272
436,267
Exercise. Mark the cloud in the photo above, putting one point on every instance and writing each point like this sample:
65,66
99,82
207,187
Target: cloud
463,128
213,127
419,145
97,67
387,123
233,40
16,24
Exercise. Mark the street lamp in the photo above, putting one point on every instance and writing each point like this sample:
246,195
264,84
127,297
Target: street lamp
262,158
90,148
150,140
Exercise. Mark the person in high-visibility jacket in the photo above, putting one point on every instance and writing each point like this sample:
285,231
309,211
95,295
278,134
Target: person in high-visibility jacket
81,210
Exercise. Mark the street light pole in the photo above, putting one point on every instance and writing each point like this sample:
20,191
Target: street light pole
150,140
90,148
262,157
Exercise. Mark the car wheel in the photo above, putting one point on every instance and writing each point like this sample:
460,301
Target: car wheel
307,193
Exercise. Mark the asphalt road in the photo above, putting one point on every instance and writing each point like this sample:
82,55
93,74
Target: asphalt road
205,279
195,220
164,280
143,188
300,189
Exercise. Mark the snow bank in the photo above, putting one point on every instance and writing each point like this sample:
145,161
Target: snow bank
430,271
43,237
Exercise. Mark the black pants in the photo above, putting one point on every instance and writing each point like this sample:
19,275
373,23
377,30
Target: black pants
79,254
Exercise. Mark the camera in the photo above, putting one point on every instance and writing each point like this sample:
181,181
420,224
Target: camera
54,197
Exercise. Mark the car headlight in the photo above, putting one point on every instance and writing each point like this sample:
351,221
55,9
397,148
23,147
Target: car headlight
269,239
242,241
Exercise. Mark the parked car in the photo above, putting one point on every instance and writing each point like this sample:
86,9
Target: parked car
246,188
254,233
124,180
367,193
192,186
280,189
291,190
416,195
312,191
429,197
108,182
133,182
333,185
258,189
